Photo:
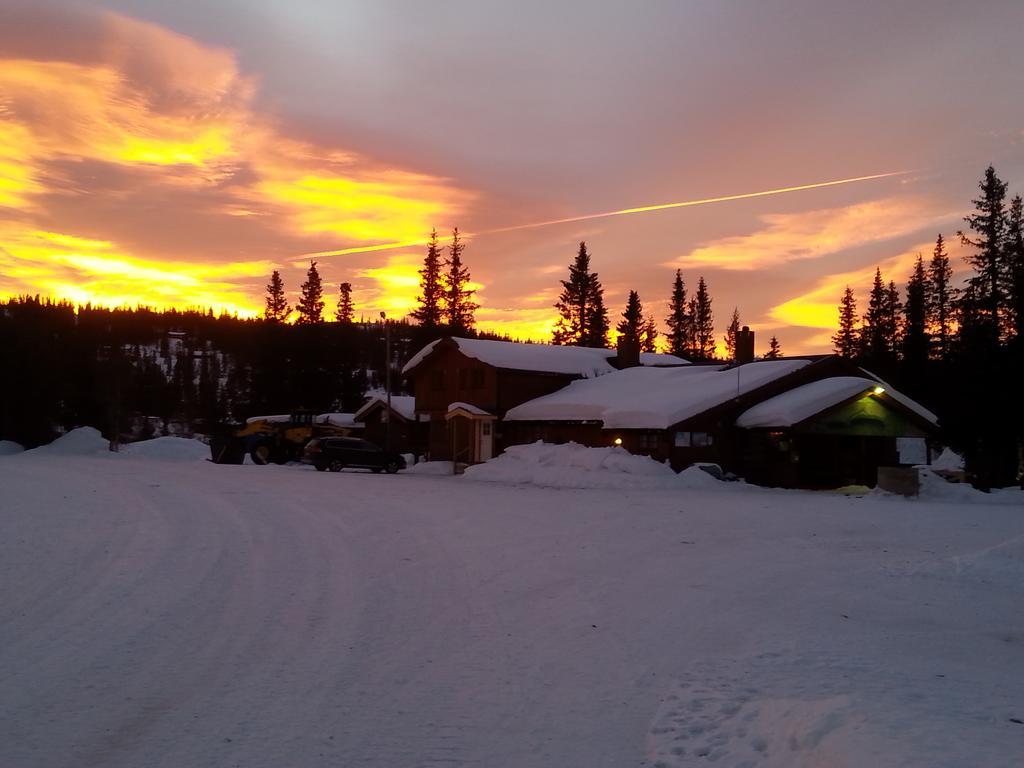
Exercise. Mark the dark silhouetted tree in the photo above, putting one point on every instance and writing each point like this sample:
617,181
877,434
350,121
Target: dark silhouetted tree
649,335
430,302
873,335
277,309
582,317
941,299
774,350
916,340
459,307
730,334
703,323
1015,266
345,311
311,299
846,341
632,317
678,318
988,223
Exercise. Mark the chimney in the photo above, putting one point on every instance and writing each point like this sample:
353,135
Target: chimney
628,347
744,345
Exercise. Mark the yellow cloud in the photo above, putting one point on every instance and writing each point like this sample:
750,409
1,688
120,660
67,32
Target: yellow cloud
84,270
814,234
819,307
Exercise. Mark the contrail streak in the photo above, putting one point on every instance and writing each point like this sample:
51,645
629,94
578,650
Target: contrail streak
623,212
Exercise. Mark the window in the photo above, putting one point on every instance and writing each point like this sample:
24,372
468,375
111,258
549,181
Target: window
649,440
463,378
485,428
693,440
437,380
478,378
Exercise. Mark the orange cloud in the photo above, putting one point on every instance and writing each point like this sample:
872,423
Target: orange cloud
815,234
181,114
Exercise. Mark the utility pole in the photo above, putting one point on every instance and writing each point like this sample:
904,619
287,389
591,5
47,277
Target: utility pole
387,378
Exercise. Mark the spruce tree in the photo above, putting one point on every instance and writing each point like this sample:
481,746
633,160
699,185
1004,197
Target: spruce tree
649,335
703,323
1015,266
311,299
916,341
459,307
893,322
873,336
277,309
941,299
774,350
846,341
730,334
597,324
677,319
582,317
345,312
988,223
429,312
632,317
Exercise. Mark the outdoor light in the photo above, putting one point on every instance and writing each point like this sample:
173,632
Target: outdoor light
618,441
879,390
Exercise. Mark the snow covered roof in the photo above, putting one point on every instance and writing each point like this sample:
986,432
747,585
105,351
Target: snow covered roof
661,359
544,358
652,398
403,405
805,401
338,419
277,418
469,408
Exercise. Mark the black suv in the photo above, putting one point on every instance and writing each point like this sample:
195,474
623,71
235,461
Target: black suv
336,453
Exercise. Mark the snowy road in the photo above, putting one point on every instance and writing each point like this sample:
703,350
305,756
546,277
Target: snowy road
180,614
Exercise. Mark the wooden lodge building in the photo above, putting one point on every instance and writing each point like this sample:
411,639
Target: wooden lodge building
816,421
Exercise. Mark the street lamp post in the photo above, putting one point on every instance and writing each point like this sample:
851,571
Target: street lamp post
387,378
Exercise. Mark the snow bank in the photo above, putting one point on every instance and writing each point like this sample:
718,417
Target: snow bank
430,468
948,460
9,448
168,449
78,442
571,465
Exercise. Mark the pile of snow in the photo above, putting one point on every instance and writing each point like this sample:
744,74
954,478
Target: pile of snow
82,441
696,479
571,465
948,460
9,448
430,468
168,449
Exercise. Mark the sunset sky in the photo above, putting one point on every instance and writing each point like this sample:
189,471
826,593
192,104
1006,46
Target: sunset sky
173,154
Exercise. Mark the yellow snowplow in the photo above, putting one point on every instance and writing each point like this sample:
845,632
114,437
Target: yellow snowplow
272,439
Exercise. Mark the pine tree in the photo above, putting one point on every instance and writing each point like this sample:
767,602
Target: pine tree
1015,266
941,299
873,337
846,341
345,311
632,318
677,320
774,350
582,317
703,323
311,299
893,324
597,315
988,222
916,341
459,307
649,335
429,313
277,309
730,334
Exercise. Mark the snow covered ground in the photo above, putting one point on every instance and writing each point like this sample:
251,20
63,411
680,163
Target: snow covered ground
173,613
